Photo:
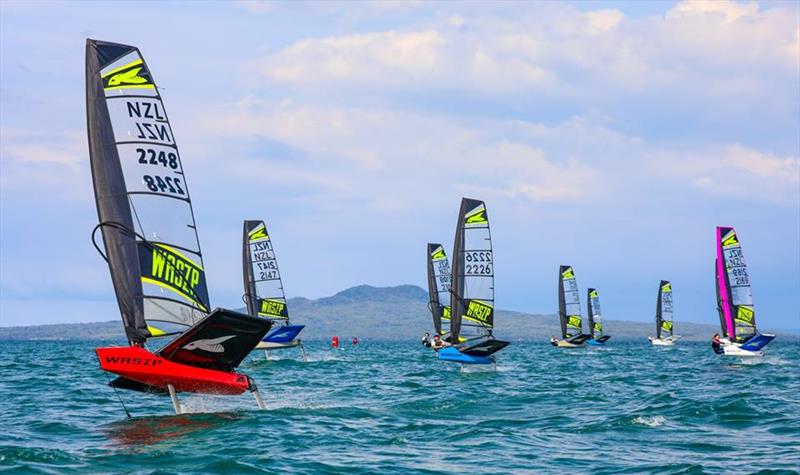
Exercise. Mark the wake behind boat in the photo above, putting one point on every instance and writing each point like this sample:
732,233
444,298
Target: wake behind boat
737,314
569,311
150,240
664,324
596,336
472,290
263,288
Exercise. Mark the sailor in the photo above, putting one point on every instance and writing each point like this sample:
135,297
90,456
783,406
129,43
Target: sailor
426,340
554,341
438,343
716,344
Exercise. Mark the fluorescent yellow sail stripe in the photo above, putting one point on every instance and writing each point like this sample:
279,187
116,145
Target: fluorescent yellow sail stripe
155,331
730,239
568,274
260,232
666,288
123,67
477,321
476,216
127,86
438,255
169,287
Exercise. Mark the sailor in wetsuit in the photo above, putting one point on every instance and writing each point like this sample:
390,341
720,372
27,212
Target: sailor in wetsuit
554,341
426,340
716,344
438,343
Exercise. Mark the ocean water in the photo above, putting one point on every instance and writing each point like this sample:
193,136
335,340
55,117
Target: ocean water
393,408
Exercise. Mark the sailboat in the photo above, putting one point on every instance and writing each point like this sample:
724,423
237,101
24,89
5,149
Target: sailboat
263,288
569,311
438,287
596,336
737,314
150,241
665,335
472,289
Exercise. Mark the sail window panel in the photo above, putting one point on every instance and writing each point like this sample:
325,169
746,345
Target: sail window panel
140,120
153,169
164,310
478,288
571,297
269,289
165,220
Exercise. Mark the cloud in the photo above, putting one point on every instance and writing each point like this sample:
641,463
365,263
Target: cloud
734,171
554,48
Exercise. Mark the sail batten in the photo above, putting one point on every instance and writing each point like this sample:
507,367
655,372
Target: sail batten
439,275
264,294
472,290
143,203
569,304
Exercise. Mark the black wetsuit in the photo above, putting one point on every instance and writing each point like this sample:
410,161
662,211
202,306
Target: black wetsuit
717,347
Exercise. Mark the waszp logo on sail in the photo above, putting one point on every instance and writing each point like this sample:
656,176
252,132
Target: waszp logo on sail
478,311
165,267
272,308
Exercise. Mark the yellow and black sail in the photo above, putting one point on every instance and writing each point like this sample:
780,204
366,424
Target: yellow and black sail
472,291
439,275
264,295
143,203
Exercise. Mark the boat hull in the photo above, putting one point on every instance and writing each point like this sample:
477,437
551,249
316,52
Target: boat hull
662,341
567,344
139,365
452,354
754,347
281,338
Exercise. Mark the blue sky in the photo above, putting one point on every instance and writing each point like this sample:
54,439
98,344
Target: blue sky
612,136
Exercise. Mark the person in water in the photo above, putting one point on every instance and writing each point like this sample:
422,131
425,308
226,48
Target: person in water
554,341
716,344
426,340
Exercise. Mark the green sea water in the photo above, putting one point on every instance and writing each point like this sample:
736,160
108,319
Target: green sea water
384,407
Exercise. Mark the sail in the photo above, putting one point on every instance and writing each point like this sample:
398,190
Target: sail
264,294
438,286
733,281
595,318
472,297
569,303
142,198
664,309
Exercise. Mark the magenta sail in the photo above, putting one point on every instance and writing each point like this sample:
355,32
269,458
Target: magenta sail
722,290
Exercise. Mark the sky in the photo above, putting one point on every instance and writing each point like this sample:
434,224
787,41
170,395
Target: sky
610,136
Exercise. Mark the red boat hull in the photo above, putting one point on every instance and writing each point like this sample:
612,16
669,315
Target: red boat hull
138,364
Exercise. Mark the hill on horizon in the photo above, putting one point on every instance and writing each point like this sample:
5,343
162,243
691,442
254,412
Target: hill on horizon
378,313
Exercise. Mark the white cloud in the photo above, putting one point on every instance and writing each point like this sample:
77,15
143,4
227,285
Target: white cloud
734,171
554,48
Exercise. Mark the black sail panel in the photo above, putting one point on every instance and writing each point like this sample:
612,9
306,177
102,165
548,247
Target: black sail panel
439,275
110,192
264,294
143,202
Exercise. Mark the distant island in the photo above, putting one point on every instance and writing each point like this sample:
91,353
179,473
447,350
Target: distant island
376,313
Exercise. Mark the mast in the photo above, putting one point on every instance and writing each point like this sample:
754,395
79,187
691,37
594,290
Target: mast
569,304
264,294
143,204
472,291
438,285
